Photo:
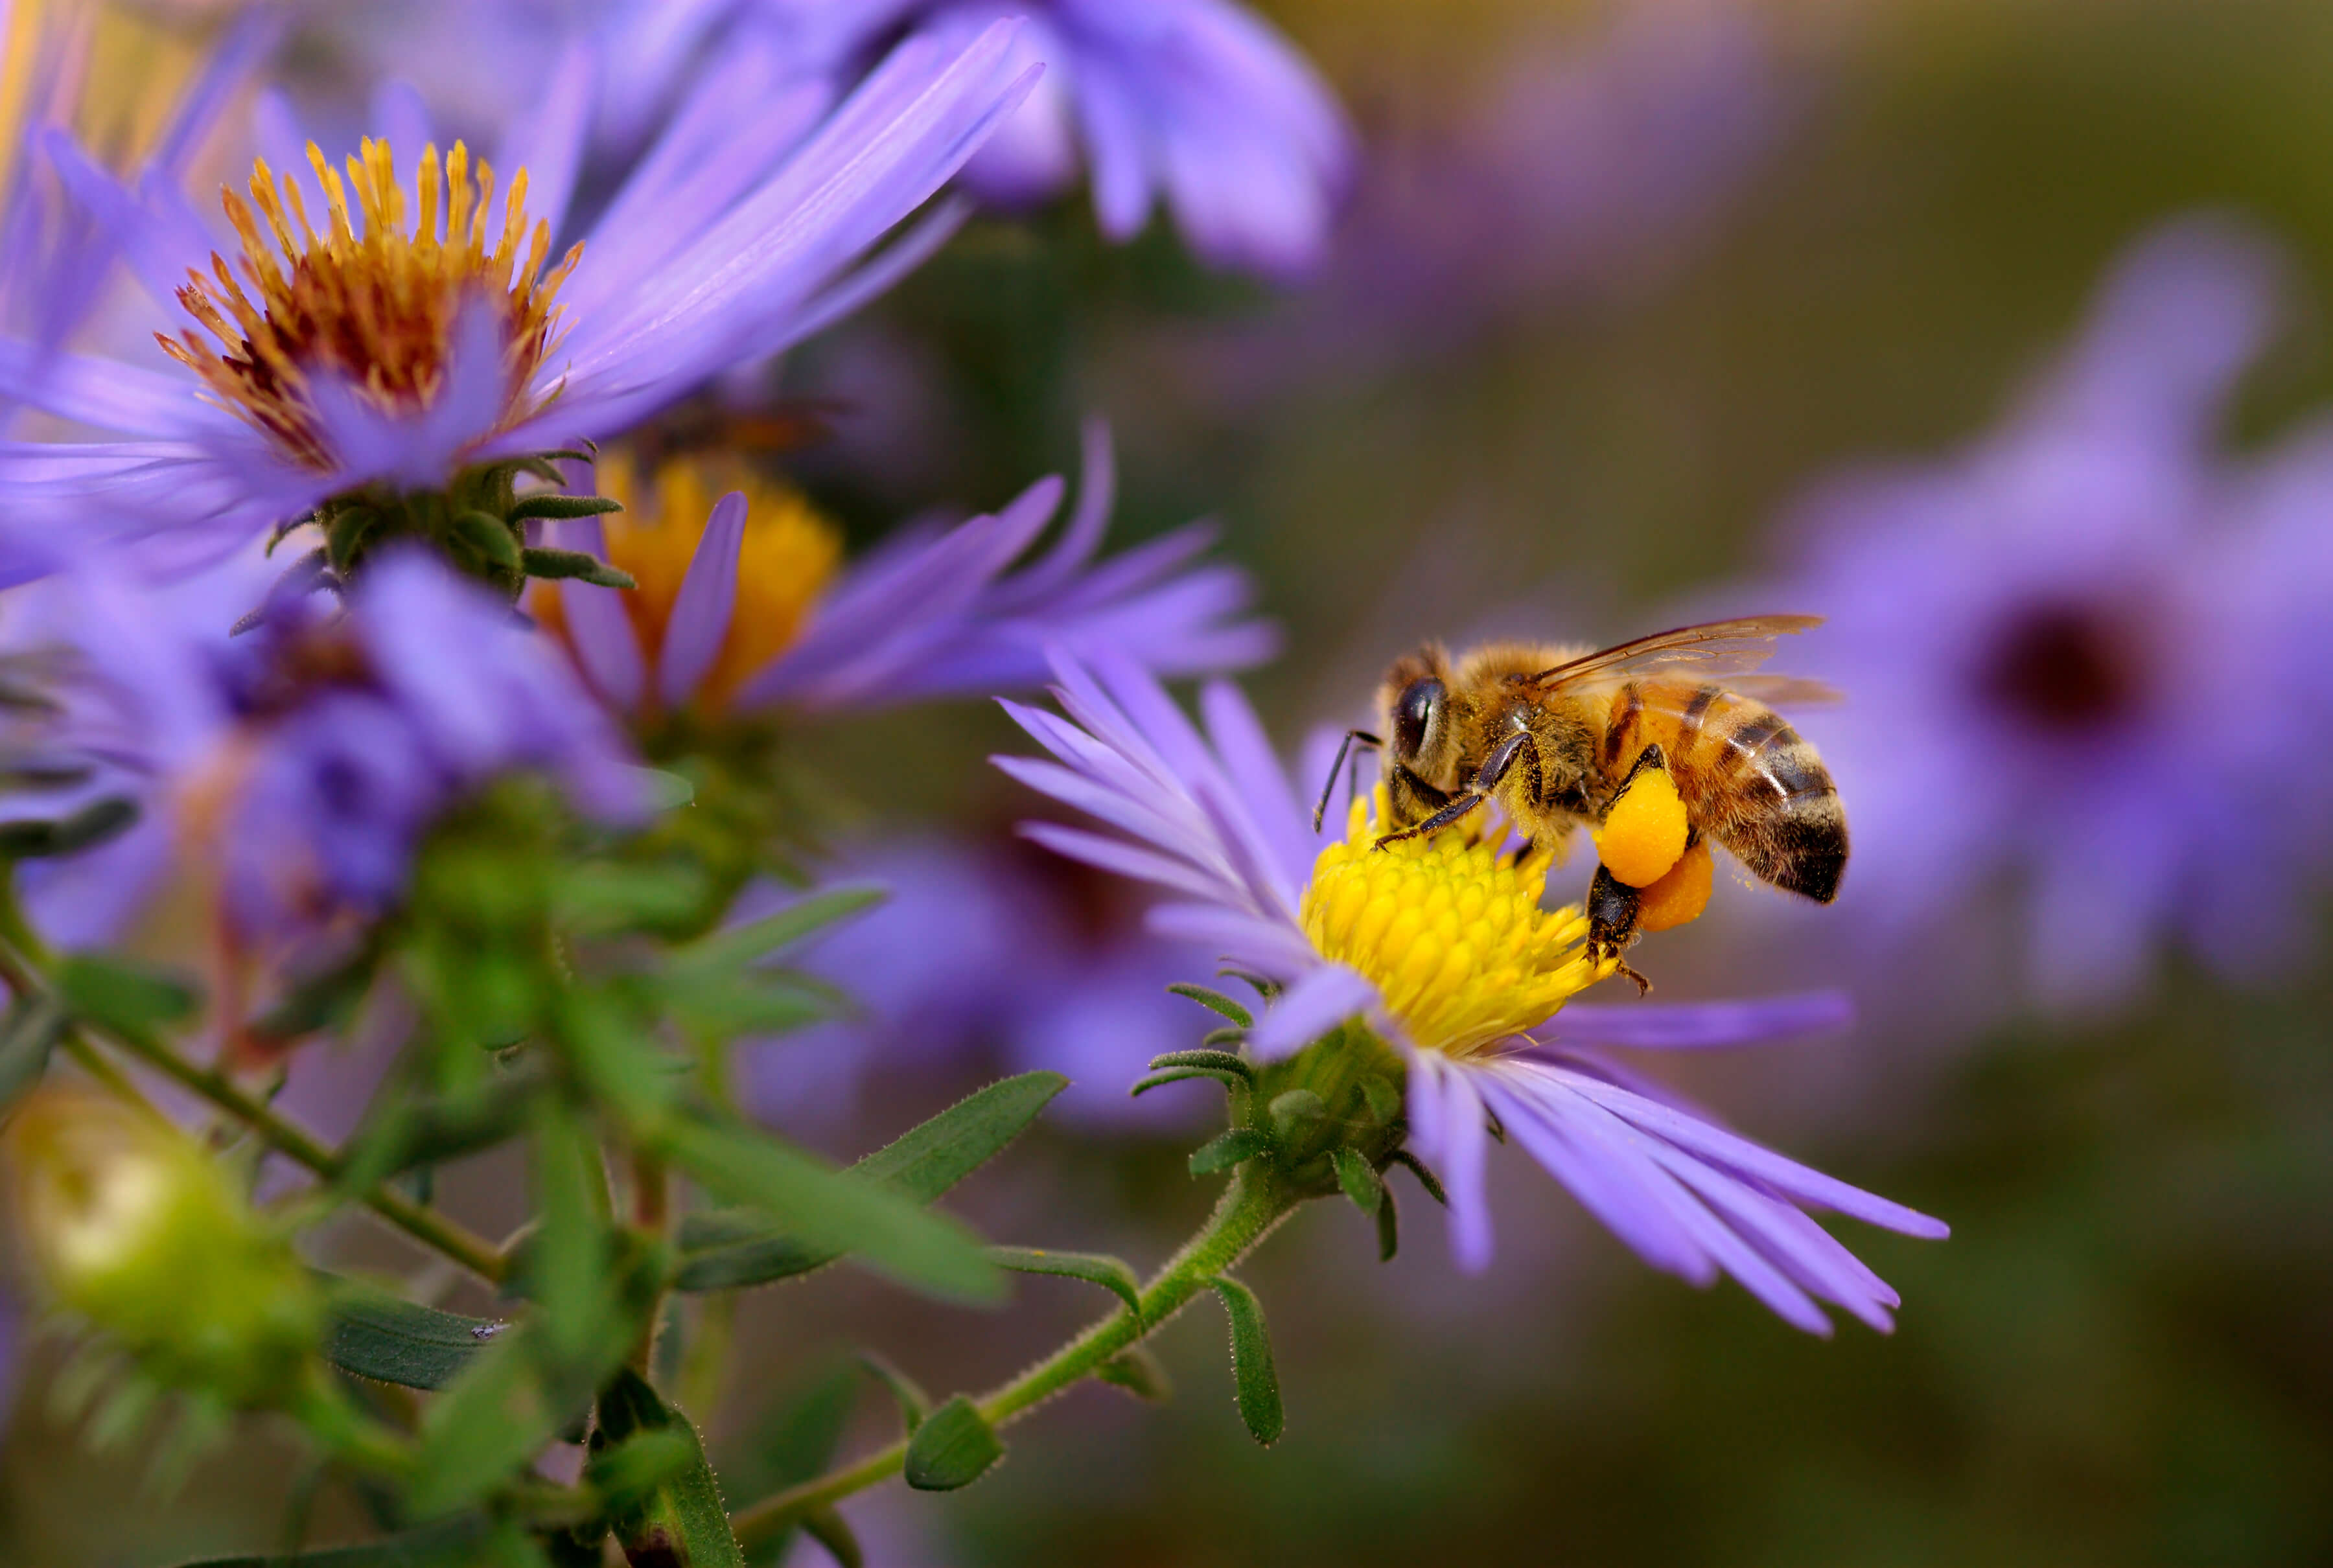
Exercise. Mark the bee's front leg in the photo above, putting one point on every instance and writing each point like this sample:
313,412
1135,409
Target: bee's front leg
1613,908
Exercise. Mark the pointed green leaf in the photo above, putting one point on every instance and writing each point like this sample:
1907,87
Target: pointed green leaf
1206,1061
1216,1002
491,1421
1139,1373
1388,1226
1426,1178
573,563
116,994
722,1251
379,1336
1226,1149
1360,1182
1180,1075
547,506
1252,1373
906,1391
491,537
685,1519
28,1035
830,1530
757,939
1110,1273
954,1448
667,791
833,1212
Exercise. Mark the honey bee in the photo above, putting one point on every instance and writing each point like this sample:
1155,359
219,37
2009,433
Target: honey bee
1558,738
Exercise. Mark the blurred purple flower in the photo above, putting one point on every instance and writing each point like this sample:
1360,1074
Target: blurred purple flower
934,611
741,231
1215,821
302,764
977,957
2087,656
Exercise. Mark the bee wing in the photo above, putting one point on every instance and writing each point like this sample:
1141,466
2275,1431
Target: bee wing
1784,690
1713,648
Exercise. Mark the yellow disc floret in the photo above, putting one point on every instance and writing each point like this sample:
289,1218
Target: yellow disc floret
789,555
375,308
1644,832
1449,929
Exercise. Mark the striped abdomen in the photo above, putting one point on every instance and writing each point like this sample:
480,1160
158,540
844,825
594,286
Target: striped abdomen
1748,780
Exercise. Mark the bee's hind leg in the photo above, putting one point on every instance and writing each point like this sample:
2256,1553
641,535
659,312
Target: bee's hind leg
1612,912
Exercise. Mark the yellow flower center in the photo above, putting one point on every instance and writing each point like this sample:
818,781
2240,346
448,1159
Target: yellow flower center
789,555
1449,929
377,310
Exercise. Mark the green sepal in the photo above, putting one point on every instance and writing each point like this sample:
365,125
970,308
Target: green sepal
378,1335
28,1035
1139,1373
490,537
128,998
537,561
1384,1098
1226,1038
1215,1001
1426,1178
1179,1075
1297,1108
1388,1226
1226,1149
682,1517
34,839
1258,1386
723,1251
1212,1061
954,1447
908,1394
1359,1180
824,1526
345,532
1094,1267
560,508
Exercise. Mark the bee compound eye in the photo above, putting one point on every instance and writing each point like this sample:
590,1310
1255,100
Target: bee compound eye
1414,714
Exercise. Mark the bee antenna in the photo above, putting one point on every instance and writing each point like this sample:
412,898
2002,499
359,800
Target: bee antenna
1328,785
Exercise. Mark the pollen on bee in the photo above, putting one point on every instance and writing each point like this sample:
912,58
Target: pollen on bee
1449,929
1644,832
371,301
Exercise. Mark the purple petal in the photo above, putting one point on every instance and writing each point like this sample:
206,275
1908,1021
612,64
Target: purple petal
1317,1002
1699,1026
701,612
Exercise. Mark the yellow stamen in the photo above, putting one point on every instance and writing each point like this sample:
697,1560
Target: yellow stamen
1450,929
375,308
789,555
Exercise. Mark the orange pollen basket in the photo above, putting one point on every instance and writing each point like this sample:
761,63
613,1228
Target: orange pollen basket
375,309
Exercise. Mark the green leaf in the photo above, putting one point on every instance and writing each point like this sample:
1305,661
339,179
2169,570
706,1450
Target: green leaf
379,1336
1206,1061
1388,1228
115,994
325,999
1139,1373
1216,1002
1359,1179
573,563
831,1211
757,939
954,1448
831,1531
491,1421
400,1134
1179,1075
796,1442
1426,1178
544,505
1110,1273
490,536
725,1250
684,1518
906,1391
601,897
1226,1149
28,1035
1297,1108
452,1544
1258,1385
666,791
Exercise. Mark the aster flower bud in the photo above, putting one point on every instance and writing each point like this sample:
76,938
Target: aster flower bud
127,1223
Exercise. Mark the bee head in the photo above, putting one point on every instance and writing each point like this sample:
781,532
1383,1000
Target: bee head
1417,714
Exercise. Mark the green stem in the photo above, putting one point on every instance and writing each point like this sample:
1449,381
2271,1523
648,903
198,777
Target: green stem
1255,1201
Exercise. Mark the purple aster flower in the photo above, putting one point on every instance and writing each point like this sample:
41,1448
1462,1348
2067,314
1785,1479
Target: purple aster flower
1443,948
1197,102
740,606
2082,651
300,766
741,230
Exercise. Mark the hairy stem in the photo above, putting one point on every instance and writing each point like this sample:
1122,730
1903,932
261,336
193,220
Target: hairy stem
1255,1202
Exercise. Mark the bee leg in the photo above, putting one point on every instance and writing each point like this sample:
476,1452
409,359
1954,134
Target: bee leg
1328,785
1460,805
1612,911
1412,796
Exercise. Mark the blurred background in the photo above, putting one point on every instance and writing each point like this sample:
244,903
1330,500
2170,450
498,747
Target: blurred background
1637,310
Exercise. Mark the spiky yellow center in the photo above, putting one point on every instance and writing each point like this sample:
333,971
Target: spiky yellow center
374,309
1449,929
789,555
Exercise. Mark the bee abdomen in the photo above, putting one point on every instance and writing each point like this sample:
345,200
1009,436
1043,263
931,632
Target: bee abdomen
1788,826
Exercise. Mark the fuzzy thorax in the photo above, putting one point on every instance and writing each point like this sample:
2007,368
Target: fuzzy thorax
1449,930
374,309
